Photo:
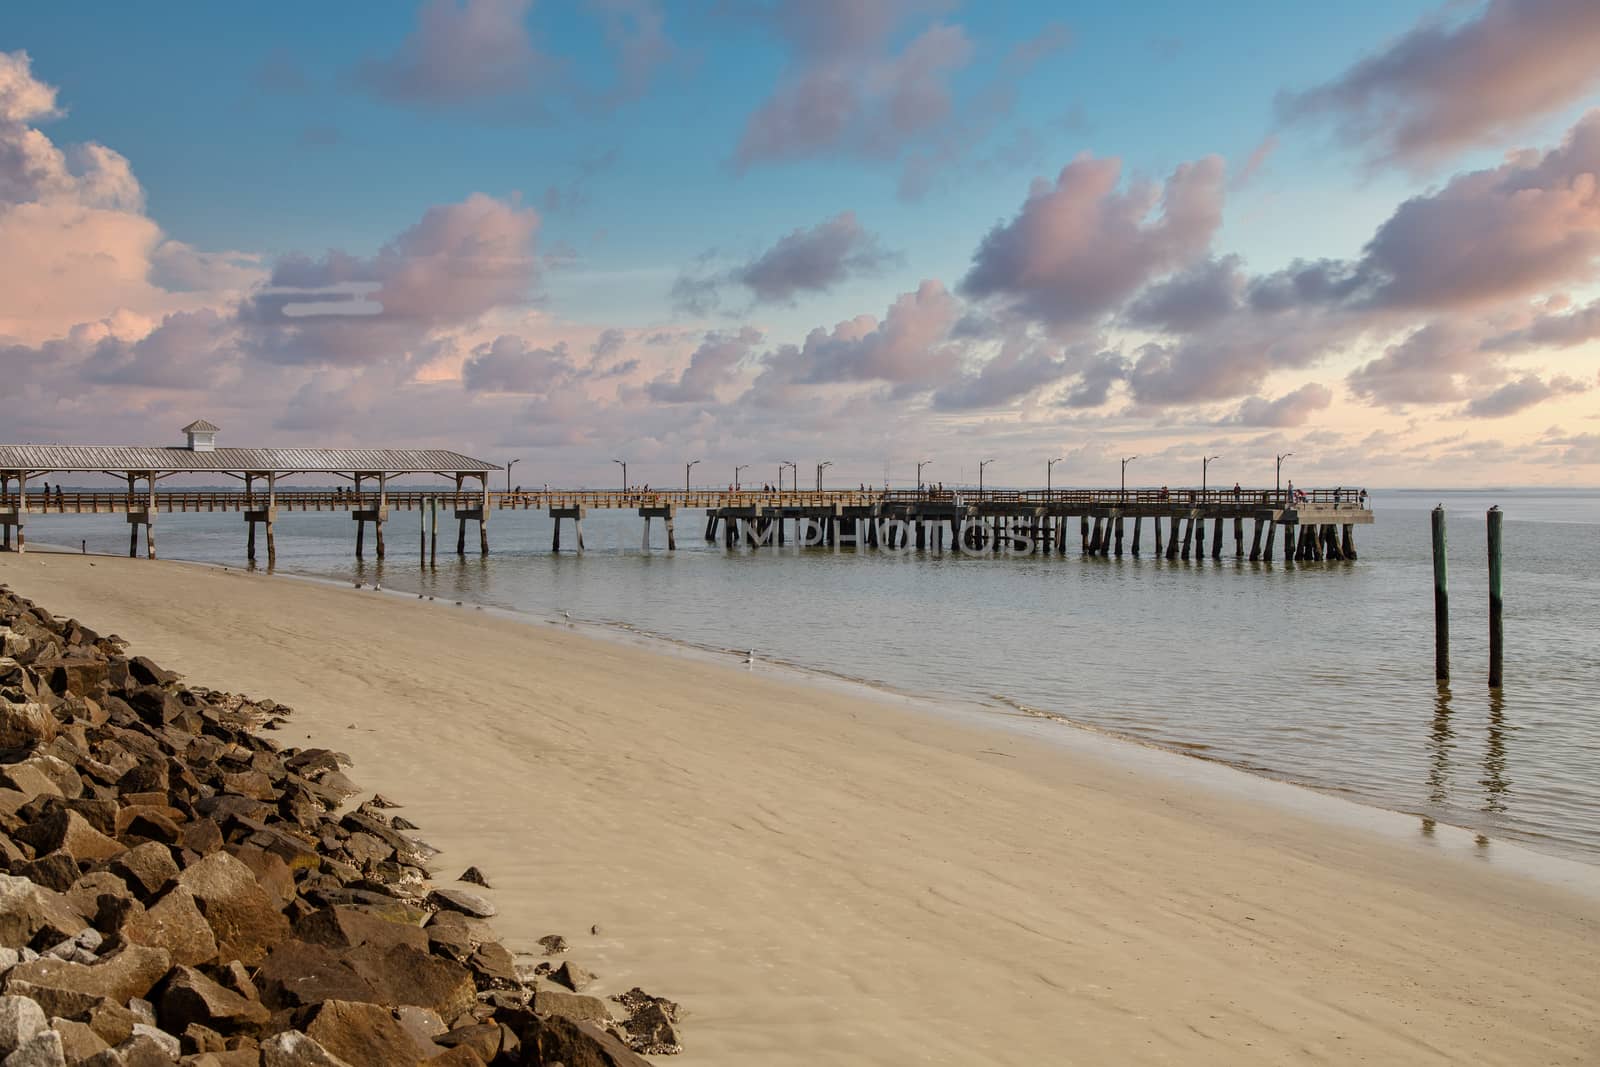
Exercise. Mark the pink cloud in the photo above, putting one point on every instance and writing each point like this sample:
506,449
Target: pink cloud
1442,87
1078,248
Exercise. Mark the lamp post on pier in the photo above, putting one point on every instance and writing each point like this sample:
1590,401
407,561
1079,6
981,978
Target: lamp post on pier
736,470
788,463
1125,461
1048,467
1278,481
509,464
624,465
686,469
820,468
920,465
1204,463
982,463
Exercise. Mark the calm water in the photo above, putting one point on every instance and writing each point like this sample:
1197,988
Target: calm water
1316,673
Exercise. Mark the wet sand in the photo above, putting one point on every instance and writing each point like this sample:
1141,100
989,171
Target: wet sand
819,876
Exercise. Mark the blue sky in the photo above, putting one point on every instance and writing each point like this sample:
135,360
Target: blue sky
264,131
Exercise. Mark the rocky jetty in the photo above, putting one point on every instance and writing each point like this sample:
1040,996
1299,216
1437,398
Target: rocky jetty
179,889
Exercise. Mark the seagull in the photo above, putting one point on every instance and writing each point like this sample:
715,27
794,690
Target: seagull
376,587
566,614
358,585
750,657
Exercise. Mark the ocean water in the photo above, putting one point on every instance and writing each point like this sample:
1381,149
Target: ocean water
1315,673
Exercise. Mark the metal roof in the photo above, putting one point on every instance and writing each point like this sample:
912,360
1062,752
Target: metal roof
254,460
201,426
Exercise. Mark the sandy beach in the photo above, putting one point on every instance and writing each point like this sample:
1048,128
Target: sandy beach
819,876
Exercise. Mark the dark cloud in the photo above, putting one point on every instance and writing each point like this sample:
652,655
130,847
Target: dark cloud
1551,331
1080,247
1093,386
1198,296
812,260
1019,370
1444,86
459,53
1520,394
1423,368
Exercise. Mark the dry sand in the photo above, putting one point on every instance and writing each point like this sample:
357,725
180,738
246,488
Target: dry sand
822,877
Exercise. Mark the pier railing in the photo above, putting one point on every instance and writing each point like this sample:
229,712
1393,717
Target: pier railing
1100,498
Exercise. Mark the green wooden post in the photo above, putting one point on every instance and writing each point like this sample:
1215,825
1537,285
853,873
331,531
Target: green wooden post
1441,600
1496,607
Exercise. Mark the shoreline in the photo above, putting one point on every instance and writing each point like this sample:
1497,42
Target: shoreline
819,876
1171,759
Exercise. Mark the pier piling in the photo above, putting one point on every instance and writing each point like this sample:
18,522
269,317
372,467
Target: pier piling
1496,605
1441,600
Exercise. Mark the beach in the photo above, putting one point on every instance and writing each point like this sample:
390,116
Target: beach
822,876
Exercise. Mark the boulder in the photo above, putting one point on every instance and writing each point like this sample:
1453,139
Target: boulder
482,1038
292,1048
67,781
474,876
460,1056
85,893
553,944
404,974
191,997
27,780
272,873
651,1029
555,1039
25,725
298,974
78,1040
174,923
572,976
30,913
150,823
149,1046
494,965
65,830
44,1049
57,871
461,900
198,1040
573,1006
20,1020
146,868
350,926
129,972
146,673
110,1020
202,837
239,911
365,1035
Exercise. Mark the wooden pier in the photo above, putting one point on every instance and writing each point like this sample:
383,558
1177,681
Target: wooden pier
1316,524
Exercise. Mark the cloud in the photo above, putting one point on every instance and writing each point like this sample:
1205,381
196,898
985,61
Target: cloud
1019,370
908,347
1078,248
636,33
1520,394
1291,409
1442,87
1423,367
1551,331
456,263
843,91
1095,381
509,364
811,260
710,367
1255,162
1193,298
461,52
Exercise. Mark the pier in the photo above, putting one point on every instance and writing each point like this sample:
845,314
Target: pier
1314,524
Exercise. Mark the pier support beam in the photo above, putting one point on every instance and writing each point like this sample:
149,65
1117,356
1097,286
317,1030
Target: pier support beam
1138,521
1272,533
1255,543
1238,537
576,514
1349,546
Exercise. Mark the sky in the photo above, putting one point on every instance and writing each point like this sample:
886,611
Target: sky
871,232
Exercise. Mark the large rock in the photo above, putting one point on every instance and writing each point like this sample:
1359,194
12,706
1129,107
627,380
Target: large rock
467,903
348,926
146,868
365,1035
65,830
174,923
405,974
27,779
30,913
130,972
20,1020
240,912
191,997
44,1049
298,974
572,976
294,1049
78,1040
26,725
554,1039
574,1006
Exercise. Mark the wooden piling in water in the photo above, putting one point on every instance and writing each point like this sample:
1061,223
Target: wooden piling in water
433,530
1238,537
1138,521
1496,603
1441,600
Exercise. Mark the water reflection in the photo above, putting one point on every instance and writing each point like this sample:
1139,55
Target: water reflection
1439,736
1495,783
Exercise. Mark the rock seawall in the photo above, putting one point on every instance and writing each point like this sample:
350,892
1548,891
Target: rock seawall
177,888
